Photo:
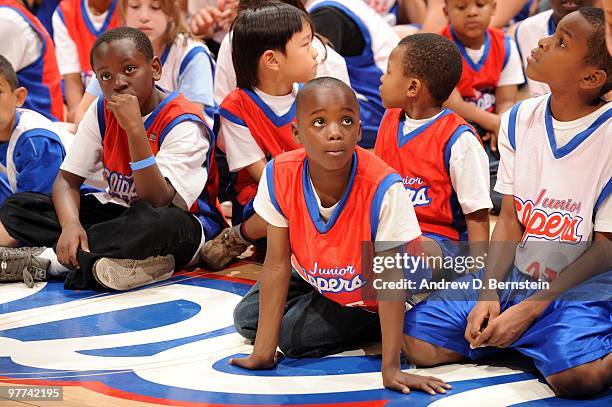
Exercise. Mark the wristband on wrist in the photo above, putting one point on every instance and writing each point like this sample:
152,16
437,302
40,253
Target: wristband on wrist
142,164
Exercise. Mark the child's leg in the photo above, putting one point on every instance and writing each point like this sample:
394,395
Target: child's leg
140,233
246,313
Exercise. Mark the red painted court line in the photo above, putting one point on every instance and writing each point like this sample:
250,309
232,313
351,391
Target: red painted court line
112,392
212,276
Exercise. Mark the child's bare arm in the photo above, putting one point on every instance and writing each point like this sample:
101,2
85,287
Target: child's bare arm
256,169
391,308
73,88
67,200
274,284
478,225
470,112
505,98
151,185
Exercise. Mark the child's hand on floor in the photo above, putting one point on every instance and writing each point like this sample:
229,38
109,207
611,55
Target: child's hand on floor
403,382
253,362
126,109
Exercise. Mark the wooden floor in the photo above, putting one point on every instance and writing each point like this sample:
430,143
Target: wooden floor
168,345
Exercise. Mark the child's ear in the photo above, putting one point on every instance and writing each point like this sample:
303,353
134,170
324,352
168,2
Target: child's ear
270,60
156,68
360,128
296,133
20,95
594,79
414,86
445,11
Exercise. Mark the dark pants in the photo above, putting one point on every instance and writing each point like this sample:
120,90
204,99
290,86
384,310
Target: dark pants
114,231
313,326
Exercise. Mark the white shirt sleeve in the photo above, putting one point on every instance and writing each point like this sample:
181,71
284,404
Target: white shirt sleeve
20,44
265,208
225,76
512,74
603,217
505,172
330,62
239,146
65,48
181,160
397,221
469,173
84,158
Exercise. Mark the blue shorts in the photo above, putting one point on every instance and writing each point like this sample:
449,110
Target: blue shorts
450,248
569,333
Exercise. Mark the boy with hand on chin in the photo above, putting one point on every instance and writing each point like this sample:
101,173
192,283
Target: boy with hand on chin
321,202
160,205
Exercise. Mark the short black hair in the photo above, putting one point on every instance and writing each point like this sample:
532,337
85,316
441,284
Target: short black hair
325,82
267,26
7,70
597,53
140,39
433,59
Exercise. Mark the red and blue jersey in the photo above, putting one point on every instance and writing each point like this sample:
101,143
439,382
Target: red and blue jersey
422,158
271,132
174,109
328,254
479,80
42,77
81,29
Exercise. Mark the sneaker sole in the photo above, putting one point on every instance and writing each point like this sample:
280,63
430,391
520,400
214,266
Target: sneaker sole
126,274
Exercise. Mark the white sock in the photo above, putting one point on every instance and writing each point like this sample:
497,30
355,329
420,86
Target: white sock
56,269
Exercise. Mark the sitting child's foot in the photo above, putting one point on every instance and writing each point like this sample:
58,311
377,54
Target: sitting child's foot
126,274
23,264
220,251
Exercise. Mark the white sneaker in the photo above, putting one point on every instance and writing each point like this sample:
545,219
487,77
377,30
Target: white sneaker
126,274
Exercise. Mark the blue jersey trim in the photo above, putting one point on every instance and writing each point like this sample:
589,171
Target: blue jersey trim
605,193
577,139
269,170
179,119
190,55
507,49
60,14
158,108
104,26
279,121
226,114
379,195
164,56
451,141
101,118
512,125
402,139
311,200
487,47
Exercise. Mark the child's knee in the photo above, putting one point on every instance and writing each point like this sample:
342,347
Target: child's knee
579,382
245,321
422,353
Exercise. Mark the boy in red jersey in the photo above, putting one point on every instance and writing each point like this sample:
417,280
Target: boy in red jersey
321,202
154,150
441,161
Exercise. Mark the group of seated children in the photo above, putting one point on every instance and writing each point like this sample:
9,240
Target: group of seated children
303,183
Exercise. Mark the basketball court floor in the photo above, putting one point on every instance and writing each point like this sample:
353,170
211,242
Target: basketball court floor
168,344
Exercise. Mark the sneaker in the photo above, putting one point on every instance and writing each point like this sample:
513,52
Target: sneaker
23,264
125,274
217,253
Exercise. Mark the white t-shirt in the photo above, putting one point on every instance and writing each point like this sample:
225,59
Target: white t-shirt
397,221
180,158
65,47
468,168
564,132
512,73
240,147
225,76
20,44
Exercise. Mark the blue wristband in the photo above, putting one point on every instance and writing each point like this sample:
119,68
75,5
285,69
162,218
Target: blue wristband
139,165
